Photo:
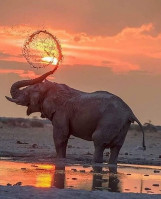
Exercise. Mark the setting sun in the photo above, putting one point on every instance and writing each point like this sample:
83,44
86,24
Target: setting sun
52,60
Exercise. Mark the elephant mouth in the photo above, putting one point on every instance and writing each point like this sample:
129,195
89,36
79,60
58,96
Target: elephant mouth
32,109
52,115
28,112
49,117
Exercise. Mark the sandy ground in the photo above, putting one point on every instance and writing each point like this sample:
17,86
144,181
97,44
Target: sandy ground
36,144
35,193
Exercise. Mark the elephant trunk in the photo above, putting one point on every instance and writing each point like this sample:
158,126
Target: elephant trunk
15,88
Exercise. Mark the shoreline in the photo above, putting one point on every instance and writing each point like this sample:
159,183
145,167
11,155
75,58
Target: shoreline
15,192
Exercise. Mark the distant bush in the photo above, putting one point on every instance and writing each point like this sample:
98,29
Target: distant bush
37,123
16,122
22,122
148,126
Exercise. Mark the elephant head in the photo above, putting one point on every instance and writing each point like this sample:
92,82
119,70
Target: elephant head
31,95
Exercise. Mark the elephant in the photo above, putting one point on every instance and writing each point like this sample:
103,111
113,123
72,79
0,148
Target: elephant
100,116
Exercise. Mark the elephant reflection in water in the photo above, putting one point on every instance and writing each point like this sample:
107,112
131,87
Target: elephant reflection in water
98,180
59,179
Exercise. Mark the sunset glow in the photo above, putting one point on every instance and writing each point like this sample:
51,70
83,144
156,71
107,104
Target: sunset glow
122,52
39,175
52,60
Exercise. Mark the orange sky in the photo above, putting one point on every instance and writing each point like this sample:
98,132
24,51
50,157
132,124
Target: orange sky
107,45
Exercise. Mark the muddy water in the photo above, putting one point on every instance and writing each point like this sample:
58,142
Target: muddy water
130,178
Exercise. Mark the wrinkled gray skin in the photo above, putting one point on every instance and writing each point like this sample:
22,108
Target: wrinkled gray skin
100,116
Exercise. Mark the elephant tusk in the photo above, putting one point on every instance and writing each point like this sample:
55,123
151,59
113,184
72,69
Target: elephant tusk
12,100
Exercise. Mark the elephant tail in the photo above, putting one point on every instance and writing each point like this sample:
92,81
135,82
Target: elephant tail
134,119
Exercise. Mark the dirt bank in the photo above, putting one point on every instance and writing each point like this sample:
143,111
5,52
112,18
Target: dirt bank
18,192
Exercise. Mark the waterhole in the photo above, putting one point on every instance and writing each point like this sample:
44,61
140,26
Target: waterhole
129,178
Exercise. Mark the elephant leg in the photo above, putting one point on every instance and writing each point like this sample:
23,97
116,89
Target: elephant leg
98,153
61,148
114,155
115,149
60,133
99,146
60,137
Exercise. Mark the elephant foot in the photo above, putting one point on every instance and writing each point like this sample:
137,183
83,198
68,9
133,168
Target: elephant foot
60,159
61,156
112,168
98,154
98,159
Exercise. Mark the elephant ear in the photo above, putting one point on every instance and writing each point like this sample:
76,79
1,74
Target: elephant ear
34,104
37,93
35,98
48,108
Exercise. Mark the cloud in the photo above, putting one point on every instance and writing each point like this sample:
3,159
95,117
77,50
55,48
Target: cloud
7,56
93,17
7,71
20,73
129,50
4,55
